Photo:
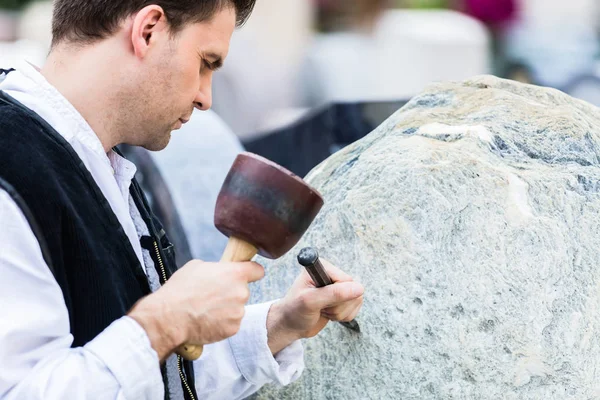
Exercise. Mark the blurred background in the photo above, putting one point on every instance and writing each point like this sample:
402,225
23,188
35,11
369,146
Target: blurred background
305,78
294,56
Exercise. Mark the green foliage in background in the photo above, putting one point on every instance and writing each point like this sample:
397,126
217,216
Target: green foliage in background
427,3
13,4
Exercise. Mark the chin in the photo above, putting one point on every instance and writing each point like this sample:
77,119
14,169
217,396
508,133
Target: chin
158,144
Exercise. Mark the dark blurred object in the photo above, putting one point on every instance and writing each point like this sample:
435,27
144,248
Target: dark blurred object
518,72
425,4
13,4
341,15
156,190
303,145
491,12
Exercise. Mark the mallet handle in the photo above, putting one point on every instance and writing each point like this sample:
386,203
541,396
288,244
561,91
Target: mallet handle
237,250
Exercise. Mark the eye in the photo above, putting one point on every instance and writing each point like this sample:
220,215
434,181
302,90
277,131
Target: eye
206,64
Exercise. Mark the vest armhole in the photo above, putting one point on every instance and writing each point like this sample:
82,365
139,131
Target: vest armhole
37,232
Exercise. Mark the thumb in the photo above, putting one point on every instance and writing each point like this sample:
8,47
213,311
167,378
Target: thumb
337,293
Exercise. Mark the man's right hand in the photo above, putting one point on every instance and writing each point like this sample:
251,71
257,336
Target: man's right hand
202,303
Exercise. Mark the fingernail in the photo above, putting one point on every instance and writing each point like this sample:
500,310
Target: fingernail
358,289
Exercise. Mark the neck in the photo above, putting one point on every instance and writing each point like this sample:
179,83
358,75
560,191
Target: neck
86,77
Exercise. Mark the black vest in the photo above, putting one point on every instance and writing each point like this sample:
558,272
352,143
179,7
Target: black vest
35,228
90,254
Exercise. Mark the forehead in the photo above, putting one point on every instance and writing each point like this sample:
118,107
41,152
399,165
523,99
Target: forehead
213,35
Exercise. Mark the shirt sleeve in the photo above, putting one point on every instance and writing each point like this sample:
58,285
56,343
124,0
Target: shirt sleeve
239,366
36,358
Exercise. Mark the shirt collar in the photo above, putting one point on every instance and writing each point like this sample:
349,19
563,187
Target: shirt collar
63,117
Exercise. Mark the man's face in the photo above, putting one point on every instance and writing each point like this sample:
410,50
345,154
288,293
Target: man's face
177,76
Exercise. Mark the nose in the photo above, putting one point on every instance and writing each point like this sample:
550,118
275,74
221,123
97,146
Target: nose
203,99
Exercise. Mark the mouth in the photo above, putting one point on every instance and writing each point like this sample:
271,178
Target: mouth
183,120
179,124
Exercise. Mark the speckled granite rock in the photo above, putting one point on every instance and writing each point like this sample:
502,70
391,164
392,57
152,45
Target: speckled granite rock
472,217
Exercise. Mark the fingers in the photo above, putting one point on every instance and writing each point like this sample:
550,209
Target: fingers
344,312
336,274
249,271
254,272
333,295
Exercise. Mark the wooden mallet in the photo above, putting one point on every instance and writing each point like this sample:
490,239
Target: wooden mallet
263,209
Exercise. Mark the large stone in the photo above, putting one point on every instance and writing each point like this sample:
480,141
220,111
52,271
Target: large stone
472,218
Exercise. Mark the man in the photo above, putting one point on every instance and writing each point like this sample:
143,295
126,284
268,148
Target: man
92,305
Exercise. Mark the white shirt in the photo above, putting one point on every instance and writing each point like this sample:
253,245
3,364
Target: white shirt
36,360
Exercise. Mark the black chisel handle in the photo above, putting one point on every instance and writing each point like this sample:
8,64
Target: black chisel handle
309,259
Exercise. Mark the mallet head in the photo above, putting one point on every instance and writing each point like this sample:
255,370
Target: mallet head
265,205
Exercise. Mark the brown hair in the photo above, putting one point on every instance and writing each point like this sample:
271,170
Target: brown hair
85,21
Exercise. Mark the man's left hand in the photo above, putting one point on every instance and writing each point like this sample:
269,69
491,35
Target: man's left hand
305,310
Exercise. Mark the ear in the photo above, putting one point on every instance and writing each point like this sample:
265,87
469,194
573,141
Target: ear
149,26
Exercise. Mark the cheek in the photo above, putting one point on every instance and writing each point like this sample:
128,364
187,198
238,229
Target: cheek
182,71
190,81
191,71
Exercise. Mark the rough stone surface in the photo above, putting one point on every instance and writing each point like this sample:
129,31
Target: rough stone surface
472,218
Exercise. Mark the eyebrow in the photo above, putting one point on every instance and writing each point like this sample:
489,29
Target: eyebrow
215,65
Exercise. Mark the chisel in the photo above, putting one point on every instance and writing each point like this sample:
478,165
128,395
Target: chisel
309,259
